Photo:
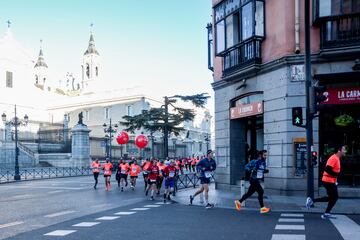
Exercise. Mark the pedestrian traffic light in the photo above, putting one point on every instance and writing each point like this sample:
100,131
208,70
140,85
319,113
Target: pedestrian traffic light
314,158
319,97
297,119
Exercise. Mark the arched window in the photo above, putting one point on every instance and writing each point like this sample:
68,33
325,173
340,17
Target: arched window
87,70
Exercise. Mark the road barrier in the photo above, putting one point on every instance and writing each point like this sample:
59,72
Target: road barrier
188,180
44,173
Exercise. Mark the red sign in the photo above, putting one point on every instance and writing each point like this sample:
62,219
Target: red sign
342,95
246,110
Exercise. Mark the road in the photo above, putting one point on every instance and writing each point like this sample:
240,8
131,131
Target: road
69,208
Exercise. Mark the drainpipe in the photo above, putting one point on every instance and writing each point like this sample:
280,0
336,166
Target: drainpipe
297,26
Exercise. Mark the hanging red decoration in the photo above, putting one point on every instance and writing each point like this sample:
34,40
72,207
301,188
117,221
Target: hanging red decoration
122,138
141,141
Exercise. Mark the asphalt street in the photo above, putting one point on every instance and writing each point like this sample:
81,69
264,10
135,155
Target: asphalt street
70,209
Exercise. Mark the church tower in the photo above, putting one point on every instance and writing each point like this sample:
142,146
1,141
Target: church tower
40,69
90,67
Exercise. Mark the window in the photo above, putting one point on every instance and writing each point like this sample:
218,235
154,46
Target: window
129,110
87,70
97,71
236,21
232,30
247,21
220,36
210,47
328,8
107,113
9,79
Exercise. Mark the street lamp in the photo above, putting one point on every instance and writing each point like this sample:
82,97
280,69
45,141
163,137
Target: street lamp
109,130
174,139
207,140
15,122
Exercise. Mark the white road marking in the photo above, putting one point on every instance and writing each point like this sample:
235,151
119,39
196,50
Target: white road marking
152,206
294,220
288,237
11,224
86,224
124,213
59,214
291,215
107,218
289,227
160,203
102,205
346,227
139,209
56,191
60,233
49,187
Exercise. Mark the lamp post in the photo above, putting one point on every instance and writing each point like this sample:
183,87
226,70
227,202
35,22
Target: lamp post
174,139
207,140
109,130
15,122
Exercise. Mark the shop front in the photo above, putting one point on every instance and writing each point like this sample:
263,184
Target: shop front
339,123
246,132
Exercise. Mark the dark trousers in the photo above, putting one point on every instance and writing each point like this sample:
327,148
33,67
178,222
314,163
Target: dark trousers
254,187
332,192
96,175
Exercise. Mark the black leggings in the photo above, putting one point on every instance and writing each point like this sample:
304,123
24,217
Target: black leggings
254,187
332,192
96,175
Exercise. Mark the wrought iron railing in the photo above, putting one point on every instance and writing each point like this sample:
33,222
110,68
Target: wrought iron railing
43,173
242,55
188,180
341,31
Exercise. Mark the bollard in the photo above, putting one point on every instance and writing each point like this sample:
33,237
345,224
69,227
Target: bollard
242,191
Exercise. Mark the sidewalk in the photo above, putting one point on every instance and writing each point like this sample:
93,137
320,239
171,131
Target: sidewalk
225,199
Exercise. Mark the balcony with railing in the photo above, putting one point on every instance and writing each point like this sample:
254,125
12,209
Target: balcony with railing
242,55
340,31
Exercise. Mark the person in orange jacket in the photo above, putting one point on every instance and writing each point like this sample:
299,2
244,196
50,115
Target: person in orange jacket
160,178
134,172
107,167
95,166
145,167
123,171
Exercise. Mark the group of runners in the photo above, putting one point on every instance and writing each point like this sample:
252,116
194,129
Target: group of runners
154,172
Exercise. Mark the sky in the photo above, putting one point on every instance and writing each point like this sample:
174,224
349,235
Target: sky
160,44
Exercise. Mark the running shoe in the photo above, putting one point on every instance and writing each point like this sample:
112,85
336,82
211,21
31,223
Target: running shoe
122,189
327,216
152,198
309,203
208,206
168,198
164,200
265,210
191,199
237,205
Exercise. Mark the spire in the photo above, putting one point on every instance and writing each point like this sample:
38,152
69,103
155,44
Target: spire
40,62
8,34
91,48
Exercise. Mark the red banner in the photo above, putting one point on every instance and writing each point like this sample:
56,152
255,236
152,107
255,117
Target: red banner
342,95
246,110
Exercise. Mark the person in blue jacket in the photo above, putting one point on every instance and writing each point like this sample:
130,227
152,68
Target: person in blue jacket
205,169
257,168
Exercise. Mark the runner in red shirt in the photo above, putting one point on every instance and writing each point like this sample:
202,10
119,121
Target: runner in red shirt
153,174
160,178
95,165
107,167
170,175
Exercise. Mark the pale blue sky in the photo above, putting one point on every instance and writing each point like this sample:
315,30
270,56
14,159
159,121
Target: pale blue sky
160,44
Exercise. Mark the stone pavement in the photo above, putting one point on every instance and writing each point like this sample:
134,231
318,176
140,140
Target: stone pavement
225,199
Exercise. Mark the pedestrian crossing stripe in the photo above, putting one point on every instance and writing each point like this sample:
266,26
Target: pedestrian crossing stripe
60,233
124,213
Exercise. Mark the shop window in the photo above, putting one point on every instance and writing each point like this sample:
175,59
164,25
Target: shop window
327,8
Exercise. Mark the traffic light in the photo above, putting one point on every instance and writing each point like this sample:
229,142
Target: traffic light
319,97
297,119
314,158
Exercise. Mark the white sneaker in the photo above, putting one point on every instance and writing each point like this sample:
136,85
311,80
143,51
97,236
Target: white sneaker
309,203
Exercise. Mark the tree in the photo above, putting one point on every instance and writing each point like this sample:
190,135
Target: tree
161,120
